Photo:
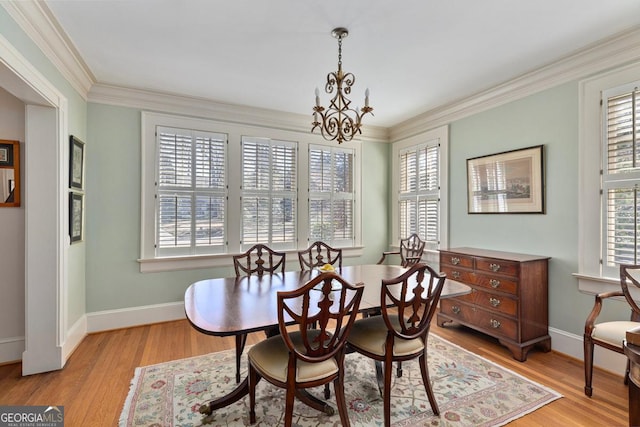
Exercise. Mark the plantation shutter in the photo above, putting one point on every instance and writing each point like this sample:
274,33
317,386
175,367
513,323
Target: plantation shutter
331,195
269,192
621,177
419,193
191,192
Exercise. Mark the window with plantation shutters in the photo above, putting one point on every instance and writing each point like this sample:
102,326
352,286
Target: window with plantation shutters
621,176
190,192
331,195
419,193
269,192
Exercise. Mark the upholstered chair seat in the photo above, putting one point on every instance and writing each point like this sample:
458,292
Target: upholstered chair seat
370,334
613,332
271,357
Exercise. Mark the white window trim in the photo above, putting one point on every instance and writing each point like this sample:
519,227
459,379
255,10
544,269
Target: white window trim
440,134
149,120
591,278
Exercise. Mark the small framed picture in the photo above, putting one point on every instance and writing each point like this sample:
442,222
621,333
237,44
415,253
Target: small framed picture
6,155
76,210
508,182
76,163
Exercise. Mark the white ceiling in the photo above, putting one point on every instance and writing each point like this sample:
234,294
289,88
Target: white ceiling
414,55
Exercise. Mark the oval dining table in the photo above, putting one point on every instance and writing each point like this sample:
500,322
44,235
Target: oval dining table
234,306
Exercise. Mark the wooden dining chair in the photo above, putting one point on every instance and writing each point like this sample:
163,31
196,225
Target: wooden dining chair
400,334
302,357
319,254
410,252
259,259
610,335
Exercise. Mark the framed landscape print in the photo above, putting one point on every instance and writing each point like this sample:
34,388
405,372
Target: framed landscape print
76,163
508,182
76,208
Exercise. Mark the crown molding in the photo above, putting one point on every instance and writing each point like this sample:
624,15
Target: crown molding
206,108
37,21
621,49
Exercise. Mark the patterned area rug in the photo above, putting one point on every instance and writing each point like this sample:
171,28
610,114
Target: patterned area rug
470,391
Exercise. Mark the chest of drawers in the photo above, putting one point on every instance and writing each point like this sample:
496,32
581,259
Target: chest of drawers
509,297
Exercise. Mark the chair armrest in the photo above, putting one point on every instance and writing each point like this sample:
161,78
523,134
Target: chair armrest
597,306
384,254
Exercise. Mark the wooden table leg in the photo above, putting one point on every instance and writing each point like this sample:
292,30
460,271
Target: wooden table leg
226,400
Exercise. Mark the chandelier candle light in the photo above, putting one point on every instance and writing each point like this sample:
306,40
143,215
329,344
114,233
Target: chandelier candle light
339,122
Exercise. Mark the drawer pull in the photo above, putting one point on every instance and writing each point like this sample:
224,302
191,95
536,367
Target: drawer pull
494,267
495,324
455,309
455,274
494,283
455,260
494,302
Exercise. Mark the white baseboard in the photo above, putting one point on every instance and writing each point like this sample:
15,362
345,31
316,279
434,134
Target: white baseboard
11,349
75,335
134,316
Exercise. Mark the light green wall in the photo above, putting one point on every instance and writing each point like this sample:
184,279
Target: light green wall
550,118
77,125
113,216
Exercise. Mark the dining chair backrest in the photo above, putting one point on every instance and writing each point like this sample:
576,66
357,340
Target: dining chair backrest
411,250
323,311
414,296
630,275
259,259
319,254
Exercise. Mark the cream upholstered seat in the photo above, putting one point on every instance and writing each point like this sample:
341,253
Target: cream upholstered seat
610,335
401,334
302,357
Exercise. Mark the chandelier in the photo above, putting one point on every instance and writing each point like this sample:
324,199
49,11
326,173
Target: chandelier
339,122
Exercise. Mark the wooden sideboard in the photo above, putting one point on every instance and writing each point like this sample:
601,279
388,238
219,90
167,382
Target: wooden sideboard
509,297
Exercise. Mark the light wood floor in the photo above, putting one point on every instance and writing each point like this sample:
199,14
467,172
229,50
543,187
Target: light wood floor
94,383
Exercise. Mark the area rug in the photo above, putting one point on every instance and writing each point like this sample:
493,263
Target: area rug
470,391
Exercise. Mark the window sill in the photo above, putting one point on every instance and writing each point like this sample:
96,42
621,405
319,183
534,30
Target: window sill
595,285
157,265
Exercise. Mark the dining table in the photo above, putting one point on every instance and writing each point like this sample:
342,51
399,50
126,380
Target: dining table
234,306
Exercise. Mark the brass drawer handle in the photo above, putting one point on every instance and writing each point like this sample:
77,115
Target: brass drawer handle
455,274
494,267
455,260
455,309
494,302
495,324
494,283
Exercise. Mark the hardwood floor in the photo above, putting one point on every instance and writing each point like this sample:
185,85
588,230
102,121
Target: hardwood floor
93,385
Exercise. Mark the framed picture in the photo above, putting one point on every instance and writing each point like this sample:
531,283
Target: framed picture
76,209
508,182
76,163
6,155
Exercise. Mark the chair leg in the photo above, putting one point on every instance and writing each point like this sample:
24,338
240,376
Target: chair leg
338,386
588,364
424,370
388,368
253,381
327,391
288,410
399,370
240,342
626,373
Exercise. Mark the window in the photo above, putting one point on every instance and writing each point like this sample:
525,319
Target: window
419,185
621,176
191,192
209,191
269,193
419,193
331,195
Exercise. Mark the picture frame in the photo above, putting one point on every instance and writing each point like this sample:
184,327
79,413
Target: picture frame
507,182
6,154
76,217
76,163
